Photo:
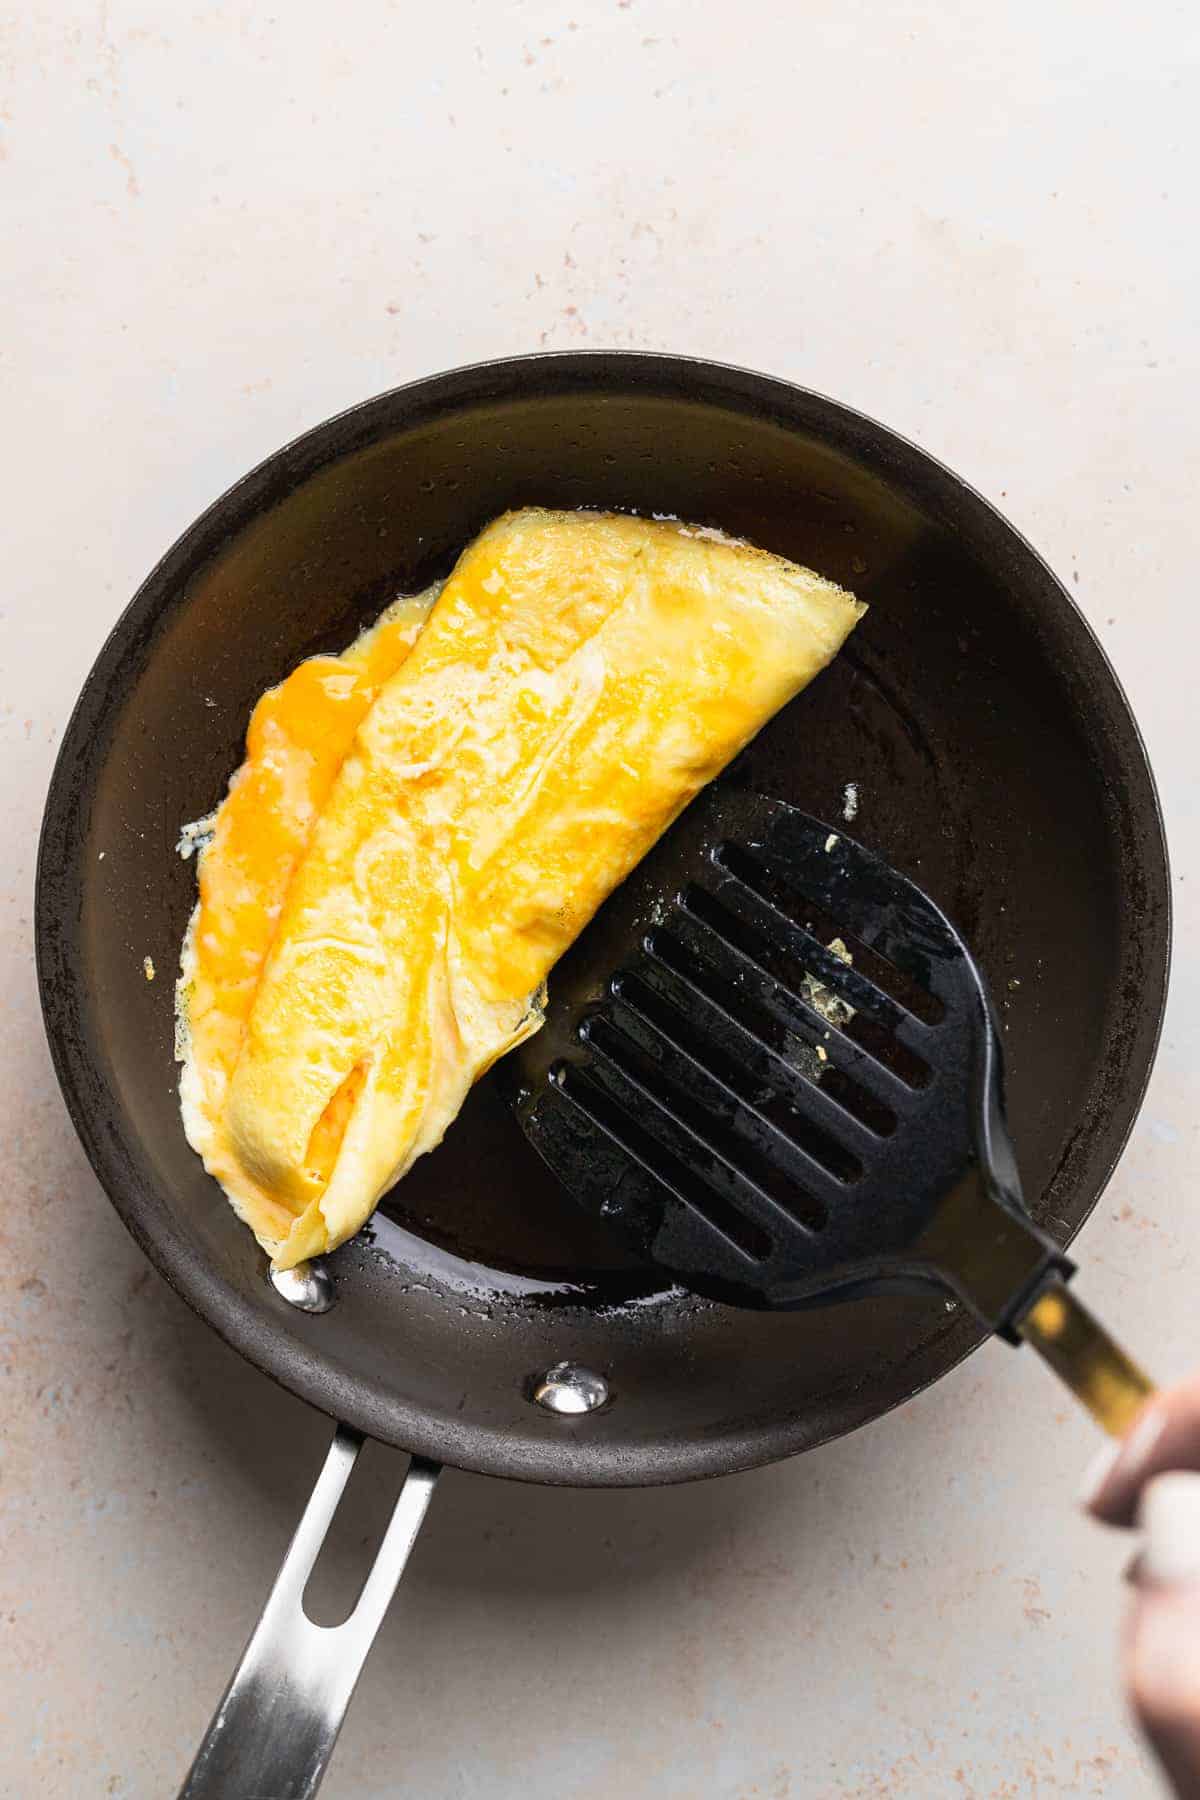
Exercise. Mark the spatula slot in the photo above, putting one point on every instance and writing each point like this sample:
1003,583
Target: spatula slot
718,979
712,1139
813,1055
824,1005
887,1049
743,1234
760,1088
809,1066
779,883
860,1102
795,957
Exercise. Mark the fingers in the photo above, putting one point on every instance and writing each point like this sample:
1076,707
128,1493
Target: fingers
1164,1436
1162,1635
1162,1673
1152,1479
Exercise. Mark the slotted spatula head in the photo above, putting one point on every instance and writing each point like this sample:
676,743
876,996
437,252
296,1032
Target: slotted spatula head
771,1064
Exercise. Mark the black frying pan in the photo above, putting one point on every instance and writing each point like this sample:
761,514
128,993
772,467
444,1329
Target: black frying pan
995,759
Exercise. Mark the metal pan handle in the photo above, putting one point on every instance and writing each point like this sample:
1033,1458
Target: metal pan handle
274,1731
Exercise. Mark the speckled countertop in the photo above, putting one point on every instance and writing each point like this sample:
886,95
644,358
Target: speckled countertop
222,223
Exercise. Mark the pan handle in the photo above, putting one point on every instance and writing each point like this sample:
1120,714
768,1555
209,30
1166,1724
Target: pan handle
274,1731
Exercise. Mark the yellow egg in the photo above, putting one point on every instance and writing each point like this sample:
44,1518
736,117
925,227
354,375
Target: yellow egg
299,735
415,838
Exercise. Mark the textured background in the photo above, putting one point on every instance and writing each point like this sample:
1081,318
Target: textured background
221,224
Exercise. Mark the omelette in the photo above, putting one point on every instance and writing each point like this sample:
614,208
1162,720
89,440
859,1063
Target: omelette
424,824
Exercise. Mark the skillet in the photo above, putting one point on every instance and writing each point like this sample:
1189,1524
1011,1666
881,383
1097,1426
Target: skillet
994,758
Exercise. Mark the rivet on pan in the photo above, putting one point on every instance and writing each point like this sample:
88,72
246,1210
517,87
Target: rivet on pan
308,1287
570,1388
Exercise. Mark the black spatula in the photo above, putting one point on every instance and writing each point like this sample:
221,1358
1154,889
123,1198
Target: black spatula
772,1065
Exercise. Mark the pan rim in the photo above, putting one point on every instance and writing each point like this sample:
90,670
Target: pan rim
313,1376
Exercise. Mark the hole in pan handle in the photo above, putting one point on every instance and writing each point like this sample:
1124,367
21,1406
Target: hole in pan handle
279,1718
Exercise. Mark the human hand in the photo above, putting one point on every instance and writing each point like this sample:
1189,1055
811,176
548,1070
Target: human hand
1151,1479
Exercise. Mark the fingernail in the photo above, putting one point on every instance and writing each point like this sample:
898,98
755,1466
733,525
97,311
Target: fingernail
1170,1517
1128,1453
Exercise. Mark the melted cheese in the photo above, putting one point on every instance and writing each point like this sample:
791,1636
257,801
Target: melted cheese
579,679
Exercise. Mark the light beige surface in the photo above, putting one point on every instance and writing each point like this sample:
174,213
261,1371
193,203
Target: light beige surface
224,223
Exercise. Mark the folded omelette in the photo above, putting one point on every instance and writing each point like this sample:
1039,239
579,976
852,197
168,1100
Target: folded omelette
423,825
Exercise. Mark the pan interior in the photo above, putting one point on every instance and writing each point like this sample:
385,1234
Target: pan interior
992,757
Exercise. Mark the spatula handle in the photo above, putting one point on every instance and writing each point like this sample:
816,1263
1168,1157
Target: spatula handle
1081,1353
